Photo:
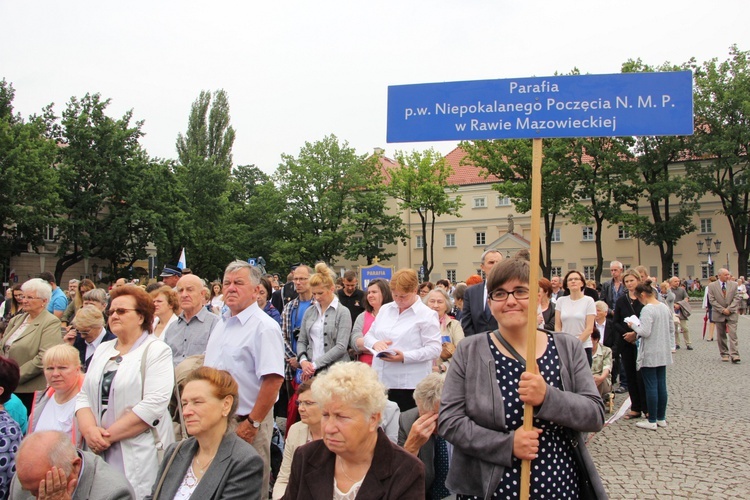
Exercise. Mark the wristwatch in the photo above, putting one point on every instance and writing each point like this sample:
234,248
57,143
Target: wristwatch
253,422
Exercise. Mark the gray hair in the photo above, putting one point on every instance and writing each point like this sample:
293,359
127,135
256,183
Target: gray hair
459,291
56,445
351,383
96,295
429,390
616,263
446,296
73,281
488,251
88,317
237,265
601,305
38,285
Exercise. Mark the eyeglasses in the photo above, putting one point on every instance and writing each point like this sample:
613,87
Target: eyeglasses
501,295
26,297
304,404
120,311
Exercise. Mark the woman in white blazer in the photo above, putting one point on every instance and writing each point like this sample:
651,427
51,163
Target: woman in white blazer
122,414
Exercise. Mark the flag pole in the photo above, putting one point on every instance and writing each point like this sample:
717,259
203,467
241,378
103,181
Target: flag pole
531,366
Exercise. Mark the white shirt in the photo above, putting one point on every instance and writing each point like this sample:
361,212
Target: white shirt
248,346
416,333
57,417
91,347
573,314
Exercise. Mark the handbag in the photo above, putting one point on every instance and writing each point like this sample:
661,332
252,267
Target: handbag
585,486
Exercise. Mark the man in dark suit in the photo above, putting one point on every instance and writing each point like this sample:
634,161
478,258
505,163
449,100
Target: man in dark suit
476,316
417,433
75,474
724,300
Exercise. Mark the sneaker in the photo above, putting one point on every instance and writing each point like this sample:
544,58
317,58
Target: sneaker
677,346
647,425
736,360
689,348
661,423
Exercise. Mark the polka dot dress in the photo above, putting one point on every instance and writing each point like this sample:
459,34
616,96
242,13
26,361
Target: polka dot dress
553,472
10,440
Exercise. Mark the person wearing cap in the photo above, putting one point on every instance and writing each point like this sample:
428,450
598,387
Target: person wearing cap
170,275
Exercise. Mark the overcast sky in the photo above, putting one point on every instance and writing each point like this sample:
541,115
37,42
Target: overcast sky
297,71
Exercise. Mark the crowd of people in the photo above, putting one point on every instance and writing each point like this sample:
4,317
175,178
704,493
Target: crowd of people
401,390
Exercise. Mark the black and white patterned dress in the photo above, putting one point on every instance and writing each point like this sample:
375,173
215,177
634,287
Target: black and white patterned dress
553,472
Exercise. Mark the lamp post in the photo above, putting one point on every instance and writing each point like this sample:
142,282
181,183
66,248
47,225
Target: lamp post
709,252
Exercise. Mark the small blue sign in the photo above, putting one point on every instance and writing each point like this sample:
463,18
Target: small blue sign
624,104
369,273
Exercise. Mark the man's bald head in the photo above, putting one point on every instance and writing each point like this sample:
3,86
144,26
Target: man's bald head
41,451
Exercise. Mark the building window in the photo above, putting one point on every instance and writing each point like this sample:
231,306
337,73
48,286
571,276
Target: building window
589,272
556,271
503,201
450,240
623,233
675,269
481,238
556,237
587,233
450,275
706,226
707,270
420,241
480,202
49,233
381,244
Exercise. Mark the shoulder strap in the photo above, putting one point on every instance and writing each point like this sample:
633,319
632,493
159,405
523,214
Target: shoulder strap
510,348
165,472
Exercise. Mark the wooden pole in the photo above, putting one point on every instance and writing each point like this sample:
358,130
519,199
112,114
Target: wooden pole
531,366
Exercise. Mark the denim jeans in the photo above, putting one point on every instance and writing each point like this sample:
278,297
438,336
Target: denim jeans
655,382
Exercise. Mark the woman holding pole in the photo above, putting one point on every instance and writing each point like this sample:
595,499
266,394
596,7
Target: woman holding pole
485,391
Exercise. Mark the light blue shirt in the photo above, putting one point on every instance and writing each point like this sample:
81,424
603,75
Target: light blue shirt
58,301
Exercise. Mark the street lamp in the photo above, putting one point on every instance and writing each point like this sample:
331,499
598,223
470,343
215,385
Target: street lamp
708,253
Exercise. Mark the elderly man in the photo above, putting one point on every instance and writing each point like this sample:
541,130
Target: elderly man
724,300
557,289
170,275
614,288
49,466
417,433
72,289
682,309
476,317
248,344
188,336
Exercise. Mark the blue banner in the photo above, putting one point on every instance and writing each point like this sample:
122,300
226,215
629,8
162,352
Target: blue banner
624,104
369,273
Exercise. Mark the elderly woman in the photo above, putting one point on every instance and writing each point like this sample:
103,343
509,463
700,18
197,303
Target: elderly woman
546,306
451,332
481,411
406,338
656,332
458,300
575,313
378,294
10,432
214,462
54,408
29,335
626,306
355,454
97,298
166,307
264,300
88,333
309,429
76,301
326,326
122,407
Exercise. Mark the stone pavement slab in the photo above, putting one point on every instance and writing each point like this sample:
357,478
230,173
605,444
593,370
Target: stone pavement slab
705,450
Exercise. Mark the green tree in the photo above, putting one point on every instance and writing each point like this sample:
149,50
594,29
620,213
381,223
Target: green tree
256,210
369,227
603,176
101,172
660,185
203,173
29,197
510,161
317,185
420,183
722,137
